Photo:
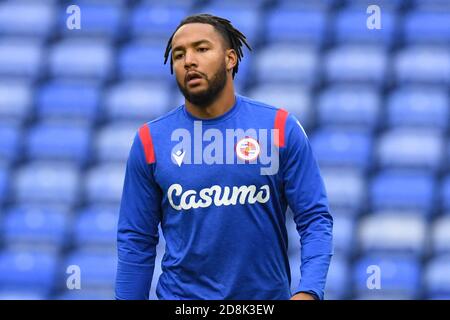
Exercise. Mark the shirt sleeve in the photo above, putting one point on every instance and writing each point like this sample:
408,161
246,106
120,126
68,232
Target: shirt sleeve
306,195
137,234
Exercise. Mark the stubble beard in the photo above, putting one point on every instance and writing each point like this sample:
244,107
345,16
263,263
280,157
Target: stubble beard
206,97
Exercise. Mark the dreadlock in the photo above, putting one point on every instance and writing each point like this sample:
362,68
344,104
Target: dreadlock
233,37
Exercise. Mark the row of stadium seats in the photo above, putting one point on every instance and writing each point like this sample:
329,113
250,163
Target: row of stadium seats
342,105
286,21
60,183
95,226
296,64
402,276
56,228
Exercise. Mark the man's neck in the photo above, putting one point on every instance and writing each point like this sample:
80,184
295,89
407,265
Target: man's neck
224,102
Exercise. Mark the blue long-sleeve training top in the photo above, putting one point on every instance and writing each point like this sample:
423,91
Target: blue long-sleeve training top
220,189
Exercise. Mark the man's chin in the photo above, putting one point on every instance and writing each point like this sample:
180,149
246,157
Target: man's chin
199,99
196,90
197,94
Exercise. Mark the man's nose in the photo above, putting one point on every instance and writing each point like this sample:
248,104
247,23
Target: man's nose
190,60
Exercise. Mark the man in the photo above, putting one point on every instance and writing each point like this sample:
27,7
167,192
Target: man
221,209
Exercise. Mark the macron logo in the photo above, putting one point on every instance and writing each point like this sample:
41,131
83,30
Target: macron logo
178,156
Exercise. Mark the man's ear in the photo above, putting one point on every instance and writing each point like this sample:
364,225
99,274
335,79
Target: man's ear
230,59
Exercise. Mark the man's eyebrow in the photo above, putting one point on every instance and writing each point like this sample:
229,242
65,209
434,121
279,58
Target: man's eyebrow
194,44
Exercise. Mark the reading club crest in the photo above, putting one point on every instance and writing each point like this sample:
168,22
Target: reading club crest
248,149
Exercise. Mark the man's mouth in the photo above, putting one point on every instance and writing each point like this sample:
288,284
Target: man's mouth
193,78
194,82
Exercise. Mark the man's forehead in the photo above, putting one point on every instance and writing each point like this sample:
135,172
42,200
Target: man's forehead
193,32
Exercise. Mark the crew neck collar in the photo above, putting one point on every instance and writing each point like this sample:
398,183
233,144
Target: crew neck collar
233,110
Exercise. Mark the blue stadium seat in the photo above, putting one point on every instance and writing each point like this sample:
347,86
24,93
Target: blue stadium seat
89,294
293,98
59,141
47,182
98,19
431,5
113,142
403,190
10,143
33,226
342,147
398,148
351,27
296,25
338,279
27,18
239,5
427,27
294,250
308,4
293,236
349,106
295,264
81,58
23,294
245,16
174,3
437,277
160,250
419,106
136,100
144,60
155,20
16,100
448,154
178,98
96,226
445,192
244,76
346,189
98,268
400,276
21,58
423,64
343,233
104,183
356,63
388,5
4,183
393,232
286,64
33,271
440,234
68,99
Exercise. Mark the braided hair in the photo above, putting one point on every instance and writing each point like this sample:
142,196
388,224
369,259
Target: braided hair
234,39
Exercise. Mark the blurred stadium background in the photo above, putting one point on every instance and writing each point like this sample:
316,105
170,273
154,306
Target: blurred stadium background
375,104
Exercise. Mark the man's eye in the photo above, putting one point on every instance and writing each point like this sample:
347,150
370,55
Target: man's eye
178,56
202,49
